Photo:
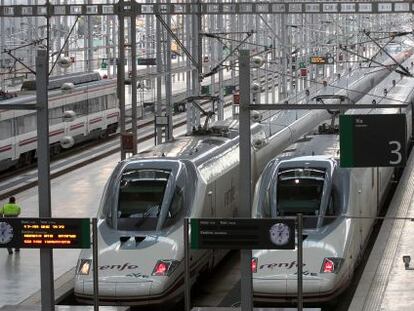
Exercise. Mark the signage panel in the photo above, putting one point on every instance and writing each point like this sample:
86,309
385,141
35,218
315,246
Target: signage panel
348,7
365,7
318,60
312,7
45,232
214,233
161,121
373,140
127,142
147,61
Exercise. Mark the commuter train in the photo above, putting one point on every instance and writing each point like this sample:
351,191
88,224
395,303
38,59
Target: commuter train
307,178
93,101
140,218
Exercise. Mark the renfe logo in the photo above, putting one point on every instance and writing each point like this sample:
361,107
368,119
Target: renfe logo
287,265
118,267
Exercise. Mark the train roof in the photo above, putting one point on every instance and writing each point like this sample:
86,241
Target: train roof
55,82
199,149
325,145
185,147
194,147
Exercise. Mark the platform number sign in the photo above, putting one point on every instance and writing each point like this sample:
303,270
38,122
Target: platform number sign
373,140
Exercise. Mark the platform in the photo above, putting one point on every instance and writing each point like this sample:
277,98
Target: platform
385,284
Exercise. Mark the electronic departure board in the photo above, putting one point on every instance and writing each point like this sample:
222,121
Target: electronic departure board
45,232
320,60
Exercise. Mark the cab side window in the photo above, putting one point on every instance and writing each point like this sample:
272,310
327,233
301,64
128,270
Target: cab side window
332,209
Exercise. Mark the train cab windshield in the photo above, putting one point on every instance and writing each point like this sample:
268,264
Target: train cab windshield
144,198
141,193
300,190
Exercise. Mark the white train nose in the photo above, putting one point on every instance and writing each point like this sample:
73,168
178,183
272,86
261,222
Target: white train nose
270,286
115,289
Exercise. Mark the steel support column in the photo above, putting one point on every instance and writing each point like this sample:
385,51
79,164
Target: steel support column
43,161
245,174
158,108
168,86
121,75
134,82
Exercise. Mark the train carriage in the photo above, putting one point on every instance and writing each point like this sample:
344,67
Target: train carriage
307,178
93,101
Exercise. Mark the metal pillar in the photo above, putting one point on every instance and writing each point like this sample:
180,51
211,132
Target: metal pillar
220,107
114,43
245,175
187,278
90,41
212,21
285,55
43,160
3,45
300,262
134,82
190,108
196,52
95,264
107,44
121,75
168,86
158,103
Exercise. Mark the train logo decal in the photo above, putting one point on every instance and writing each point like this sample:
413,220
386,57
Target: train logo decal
119,267
137,275
287,265
279,234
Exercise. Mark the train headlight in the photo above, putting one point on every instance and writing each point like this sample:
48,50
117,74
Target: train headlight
254,265
84,266
331,264
165,267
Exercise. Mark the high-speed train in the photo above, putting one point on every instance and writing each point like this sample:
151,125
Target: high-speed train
145,200
307,178
140,218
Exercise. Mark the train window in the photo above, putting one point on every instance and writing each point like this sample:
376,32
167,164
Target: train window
176,207
5,129
26,123
141,195
55,115
112,101
265,208
300,195
81,108
332,209
104,101
94,105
